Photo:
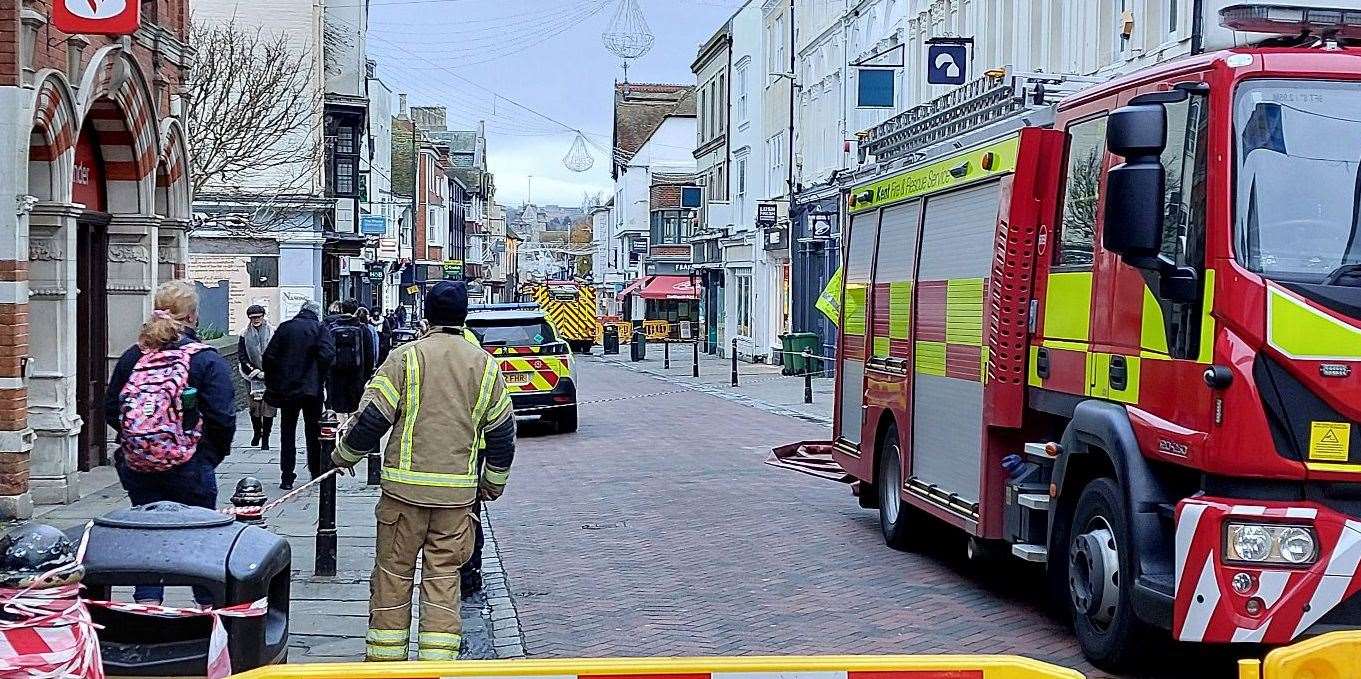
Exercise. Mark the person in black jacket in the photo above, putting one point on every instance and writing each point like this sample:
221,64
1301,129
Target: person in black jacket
194,482
355,357
296,363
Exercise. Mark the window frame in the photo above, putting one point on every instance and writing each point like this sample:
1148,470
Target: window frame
1056,262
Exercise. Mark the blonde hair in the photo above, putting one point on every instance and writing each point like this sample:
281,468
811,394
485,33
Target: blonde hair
176,305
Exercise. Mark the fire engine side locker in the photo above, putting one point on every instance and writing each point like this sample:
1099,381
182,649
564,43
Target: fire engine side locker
958,231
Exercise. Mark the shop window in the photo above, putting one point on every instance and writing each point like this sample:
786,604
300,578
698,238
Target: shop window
743,292
263,272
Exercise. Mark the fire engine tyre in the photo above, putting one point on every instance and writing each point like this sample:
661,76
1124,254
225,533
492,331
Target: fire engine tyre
895,516
566,419
1099,578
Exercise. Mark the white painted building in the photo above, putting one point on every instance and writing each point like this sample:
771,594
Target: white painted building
654,132
236,222
376,167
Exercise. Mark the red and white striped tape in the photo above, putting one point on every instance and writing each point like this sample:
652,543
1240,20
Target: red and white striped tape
53,637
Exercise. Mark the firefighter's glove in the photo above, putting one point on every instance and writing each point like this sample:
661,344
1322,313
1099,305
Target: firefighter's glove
341,463
493,483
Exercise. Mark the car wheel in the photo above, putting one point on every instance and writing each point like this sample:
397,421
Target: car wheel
1100,579
567,419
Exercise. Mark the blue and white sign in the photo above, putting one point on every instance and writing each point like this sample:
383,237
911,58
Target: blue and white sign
874,88
947,64
373,225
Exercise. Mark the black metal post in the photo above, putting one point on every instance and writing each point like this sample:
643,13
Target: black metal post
734,361
807,377
325,564
248,501
375,463
694,371
666,355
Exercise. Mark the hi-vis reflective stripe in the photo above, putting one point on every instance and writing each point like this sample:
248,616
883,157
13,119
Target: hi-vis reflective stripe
1068,305
1301,331
388,636
496,476
413,406
434,479
346,453
751,667
443,640
386,388
540,373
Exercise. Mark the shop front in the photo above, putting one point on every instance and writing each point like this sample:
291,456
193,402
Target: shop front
815,255
670,298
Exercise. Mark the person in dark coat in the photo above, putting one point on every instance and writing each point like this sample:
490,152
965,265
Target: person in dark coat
296,363
250,354
385,337
173,324
354,357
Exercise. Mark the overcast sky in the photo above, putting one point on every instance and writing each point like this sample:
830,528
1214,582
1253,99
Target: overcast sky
544,54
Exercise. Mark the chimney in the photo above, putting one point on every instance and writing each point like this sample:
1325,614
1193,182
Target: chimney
401,106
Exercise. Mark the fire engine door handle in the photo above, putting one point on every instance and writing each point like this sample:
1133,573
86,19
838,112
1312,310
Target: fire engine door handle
1042,363
1119,373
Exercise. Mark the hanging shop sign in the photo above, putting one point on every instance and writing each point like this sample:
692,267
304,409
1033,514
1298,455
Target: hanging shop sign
98,17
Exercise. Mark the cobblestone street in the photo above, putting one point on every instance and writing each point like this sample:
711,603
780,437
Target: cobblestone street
657,530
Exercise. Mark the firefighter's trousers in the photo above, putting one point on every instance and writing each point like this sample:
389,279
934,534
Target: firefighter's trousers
443,537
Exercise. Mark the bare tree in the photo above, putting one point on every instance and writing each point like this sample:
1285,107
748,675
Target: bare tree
252,112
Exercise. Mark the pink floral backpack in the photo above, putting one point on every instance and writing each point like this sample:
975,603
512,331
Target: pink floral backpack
154,438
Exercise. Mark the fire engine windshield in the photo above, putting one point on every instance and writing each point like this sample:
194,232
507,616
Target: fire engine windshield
1299,148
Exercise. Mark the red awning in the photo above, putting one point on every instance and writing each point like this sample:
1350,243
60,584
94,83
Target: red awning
662,287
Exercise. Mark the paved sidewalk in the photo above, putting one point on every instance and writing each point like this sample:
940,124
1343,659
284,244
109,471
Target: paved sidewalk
758,384
329,615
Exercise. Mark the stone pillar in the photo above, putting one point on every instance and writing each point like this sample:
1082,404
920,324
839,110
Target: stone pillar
52,366
173,254
133,251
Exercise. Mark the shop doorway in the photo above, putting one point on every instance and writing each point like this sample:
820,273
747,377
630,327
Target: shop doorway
92,288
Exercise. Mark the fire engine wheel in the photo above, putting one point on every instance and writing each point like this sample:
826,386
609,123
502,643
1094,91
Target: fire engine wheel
894,516
1098,582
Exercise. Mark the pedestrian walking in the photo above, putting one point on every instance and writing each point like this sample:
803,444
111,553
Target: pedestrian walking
296,363
250,354
354,357
375,339
172,402
385,337
447,398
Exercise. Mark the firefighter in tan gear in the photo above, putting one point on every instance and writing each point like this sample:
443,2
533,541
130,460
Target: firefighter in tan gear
452,441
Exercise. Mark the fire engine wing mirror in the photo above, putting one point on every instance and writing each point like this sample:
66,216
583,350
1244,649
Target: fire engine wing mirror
1134,189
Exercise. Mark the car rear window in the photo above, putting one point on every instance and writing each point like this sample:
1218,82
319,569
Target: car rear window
509,332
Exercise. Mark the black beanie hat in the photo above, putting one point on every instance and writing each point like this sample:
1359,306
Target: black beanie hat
447,303
255,310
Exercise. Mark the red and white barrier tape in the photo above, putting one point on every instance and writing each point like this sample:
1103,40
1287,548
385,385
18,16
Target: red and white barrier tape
53,637
251,511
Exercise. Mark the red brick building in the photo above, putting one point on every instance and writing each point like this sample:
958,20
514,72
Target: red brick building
102,201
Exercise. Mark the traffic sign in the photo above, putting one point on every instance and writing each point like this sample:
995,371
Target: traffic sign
947,63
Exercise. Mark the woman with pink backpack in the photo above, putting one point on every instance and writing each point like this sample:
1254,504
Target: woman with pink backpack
172,401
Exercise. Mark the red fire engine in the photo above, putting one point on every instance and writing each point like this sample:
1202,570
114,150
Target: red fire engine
1121,336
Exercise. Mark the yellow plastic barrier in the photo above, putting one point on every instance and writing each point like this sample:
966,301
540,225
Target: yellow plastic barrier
1330,656
656,329
755,667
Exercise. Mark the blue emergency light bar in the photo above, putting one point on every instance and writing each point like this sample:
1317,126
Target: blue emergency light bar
505,306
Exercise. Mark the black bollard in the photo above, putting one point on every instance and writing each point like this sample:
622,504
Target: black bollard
734,361
694,370
807,377
249,500
666,355
325,563
375,463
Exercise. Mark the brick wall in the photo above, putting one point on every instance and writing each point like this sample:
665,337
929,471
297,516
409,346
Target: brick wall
665,196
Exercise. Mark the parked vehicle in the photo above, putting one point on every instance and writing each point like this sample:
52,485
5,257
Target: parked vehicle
571,309
1120,336
536,362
